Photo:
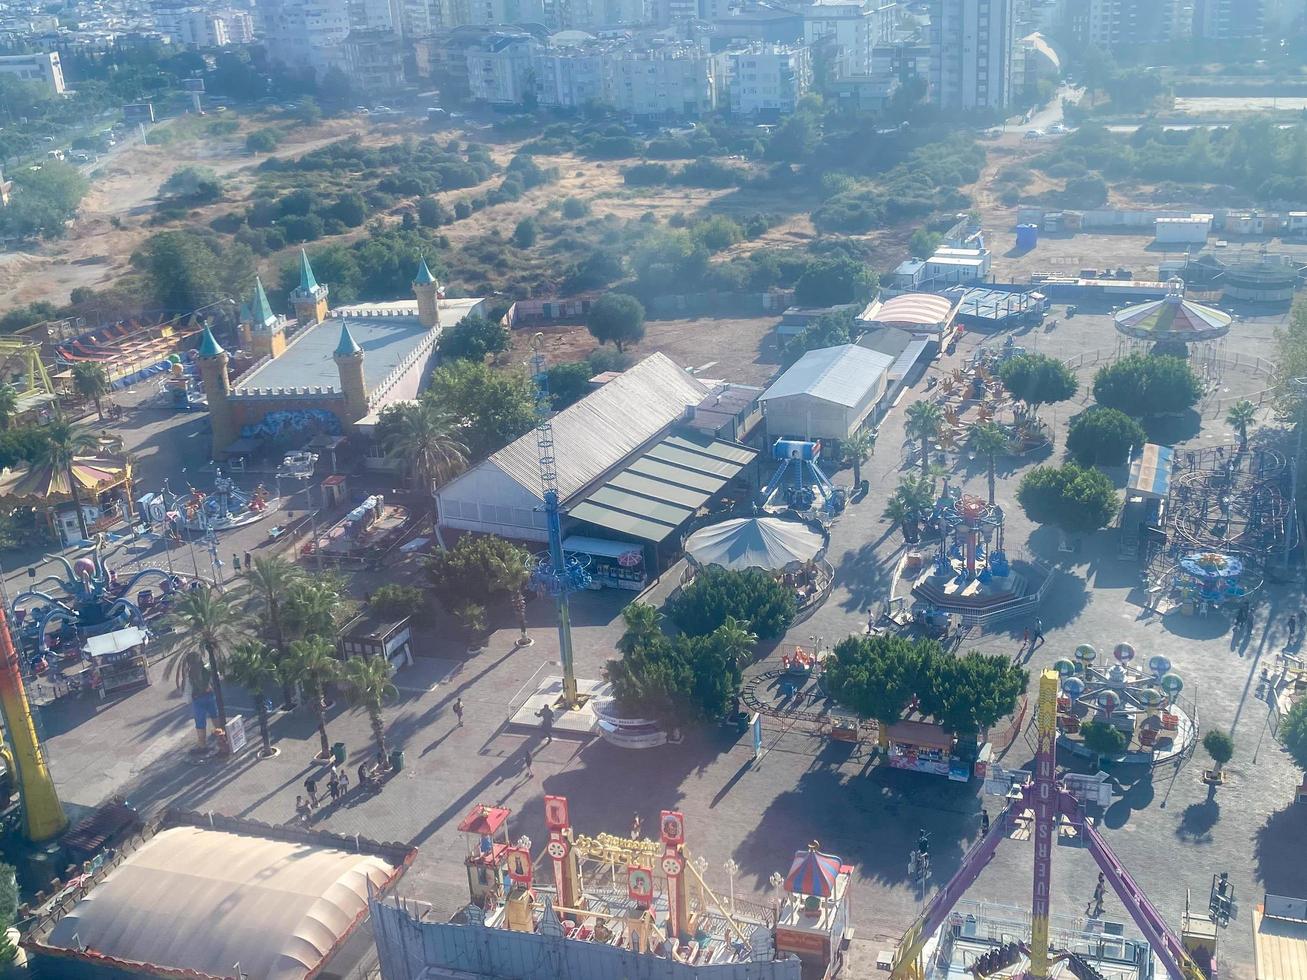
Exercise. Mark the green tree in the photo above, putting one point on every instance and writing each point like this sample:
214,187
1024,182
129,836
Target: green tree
314,665
493,407
473,337
63,444
43,200
8,405
1220,746
829,330
988,440
312,606
923,243
307,113
617,318
924,421
423,435
1103,436
1293,733
751,596
1103,739
477,569
970,693
1069,497
526,232
193,185
91,381
272,579
253,666
262,141
909,504
876,676
1241,415
856,450
1038,379
8,912
186,270
834,281
207,625
397,601
575,208
367,685
350,209
1147,384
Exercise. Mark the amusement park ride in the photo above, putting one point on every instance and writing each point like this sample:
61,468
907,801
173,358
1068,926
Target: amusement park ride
801,481
1048,806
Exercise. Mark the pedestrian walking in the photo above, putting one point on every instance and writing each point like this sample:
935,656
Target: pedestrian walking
984,821
235,562
635,827
546,716
1293,627
458,711
249,562
311,787
526,762
333,785
1025,638
302,810
1039,631
344,782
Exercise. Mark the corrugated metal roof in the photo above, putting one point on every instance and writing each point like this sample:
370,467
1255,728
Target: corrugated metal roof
664,487
842,375
601,429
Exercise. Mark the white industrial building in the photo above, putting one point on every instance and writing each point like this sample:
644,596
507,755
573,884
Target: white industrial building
1190,230
950,266
44,69
827,394
622,471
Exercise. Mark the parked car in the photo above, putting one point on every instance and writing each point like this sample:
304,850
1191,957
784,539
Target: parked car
1058,128
1035,134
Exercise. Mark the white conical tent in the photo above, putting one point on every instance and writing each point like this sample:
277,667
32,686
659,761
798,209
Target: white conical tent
769,543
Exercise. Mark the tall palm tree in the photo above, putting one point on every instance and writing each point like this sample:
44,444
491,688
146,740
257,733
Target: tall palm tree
253,666
8,405
423,434
310,606
63,444
924,420
737,642
897,511
207,624
367,685
91,380
988,439
857,448
271,578
1241,415
314,664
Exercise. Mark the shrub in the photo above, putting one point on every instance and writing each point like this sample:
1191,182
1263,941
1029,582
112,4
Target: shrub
617,318
433,214
575,207
646,175
752,597
349,210
398,601
526,232
1147,384
262,141
1103,436
473,337
1075,499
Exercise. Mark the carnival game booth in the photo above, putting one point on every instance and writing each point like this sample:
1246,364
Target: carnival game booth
103,487
118,662
814,911
612,564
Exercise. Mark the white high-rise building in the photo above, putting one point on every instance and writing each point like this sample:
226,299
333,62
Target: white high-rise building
971,53
305,34
855,28
768,79
680,80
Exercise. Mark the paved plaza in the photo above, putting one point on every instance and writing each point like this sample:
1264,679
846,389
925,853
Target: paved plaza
1165,825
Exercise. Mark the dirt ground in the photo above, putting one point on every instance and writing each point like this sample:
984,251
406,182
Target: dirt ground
743,348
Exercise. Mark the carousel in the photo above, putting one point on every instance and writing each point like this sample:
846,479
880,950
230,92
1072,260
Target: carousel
791,550
973,395
1209,580
223,509
1143,705
1175,325
103,487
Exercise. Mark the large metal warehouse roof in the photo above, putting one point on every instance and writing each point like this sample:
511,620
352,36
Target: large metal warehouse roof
842,375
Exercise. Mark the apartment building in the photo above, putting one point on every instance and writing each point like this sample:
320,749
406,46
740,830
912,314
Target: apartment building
853,28
1228,20
500,71
676,80
200,27
767,80
44,69
305,34
571,77
971,53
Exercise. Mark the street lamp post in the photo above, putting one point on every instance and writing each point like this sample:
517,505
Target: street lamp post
732,869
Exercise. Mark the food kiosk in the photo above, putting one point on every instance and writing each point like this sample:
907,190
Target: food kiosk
118,661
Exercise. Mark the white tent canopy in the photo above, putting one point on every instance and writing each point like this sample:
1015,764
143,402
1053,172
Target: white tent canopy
769,543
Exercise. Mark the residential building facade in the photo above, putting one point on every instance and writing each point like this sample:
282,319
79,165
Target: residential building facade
43,68
305,34
851,29
500,72
971,53
675,80
768,80
1228,20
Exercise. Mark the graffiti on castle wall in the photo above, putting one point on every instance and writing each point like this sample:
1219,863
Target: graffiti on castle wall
293,422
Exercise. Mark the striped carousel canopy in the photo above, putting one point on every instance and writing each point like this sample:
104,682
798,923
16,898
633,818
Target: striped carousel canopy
813,873
48,484
1172,318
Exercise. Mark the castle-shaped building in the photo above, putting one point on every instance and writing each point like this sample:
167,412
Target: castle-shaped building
326,370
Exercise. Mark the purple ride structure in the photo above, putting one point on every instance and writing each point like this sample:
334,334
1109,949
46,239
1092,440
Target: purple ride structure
1050,802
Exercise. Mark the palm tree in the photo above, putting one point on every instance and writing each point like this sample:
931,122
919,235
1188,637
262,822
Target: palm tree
8,405
63,444
314,665
857,448
1241,415
206,623
272,579
898,512
988,439
924,421
737,642
310,606
423,434
91,380
367,681
253,666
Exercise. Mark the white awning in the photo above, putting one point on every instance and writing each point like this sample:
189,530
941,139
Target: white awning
116,642
600,547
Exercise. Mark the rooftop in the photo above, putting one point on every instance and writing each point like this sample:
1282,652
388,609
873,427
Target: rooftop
386,332
842,375
190,898
914,308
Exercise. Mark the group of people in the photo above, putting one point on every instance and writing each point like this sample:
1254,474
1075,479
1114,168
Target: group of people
369,778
